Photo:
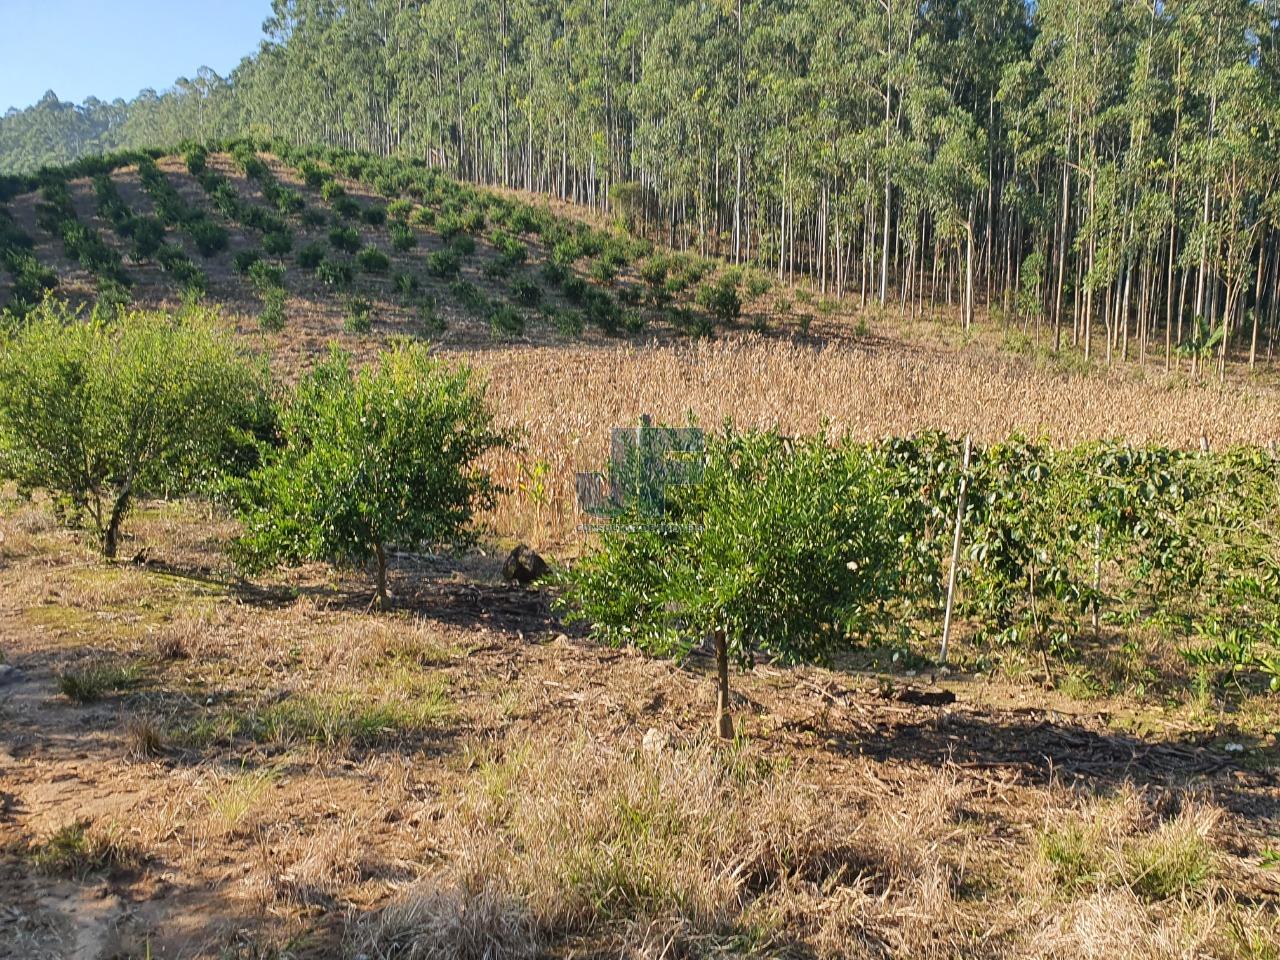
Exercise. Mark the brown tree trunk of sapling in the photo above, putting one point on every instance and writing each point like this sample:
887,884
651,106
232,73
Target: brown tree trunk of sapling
724,723
381,556
111,536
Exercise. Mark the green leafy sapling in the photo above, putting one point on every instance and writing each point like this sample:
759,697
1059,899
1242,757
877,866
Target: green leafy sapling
99,413
371,457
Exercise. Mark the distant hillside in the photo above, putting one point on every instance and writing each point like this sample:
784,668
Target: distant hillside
55,132
1102,173
324,242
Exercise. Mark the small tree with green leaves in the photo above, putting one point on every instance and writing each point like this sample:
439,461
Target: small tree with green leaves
720,299
101,413
782,548
383,455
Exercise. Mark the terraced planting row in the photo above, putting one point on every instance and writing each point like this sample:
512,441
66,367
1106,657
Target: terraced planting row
268,229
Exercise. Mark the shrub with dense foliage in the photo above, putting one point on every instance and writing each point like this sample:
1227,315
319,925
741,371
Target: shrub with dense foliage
373,260
100,413
720,299
369,458
310,256
344,239
778,548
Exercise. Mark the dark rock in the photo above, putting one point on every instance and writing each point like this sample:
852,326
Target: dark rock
524,565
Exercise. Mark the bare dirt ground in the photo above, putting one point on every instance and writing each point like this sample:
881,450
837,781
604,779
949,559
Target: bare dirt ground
269,770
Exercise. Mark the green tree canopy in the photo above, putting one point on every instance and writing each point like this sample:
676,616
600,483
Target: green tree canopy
386,454
99,413
781,548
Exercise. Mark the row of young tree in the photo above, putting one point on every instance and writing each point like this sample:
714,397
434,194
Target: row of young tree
99,413
793,548
805,548
1103,167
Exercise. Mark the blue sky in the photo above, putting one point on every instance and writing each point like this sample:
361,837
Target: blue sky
114,48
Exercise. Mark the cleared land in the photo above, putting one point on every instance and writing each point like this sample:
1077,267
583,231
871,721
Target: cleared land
195,765
565,400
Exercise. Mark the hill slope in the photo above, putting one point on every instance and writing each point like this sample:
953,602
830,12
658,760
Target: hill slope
352,241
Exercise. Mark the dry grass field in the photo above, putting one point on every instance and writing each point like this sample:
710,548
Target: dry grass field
197,765
564,400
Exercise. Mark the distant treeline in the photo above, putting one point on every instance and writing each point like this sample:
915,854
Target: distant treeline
1105,167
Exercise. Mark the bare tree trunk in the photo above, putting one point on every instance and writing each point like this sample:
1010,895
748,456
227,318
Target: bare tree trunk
968,272
1257,304
111,535
381,556
724,723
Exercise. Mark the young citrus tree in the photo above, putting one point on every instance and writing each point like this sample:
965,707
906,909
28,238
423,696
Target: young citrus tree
99,413
383,455
782,548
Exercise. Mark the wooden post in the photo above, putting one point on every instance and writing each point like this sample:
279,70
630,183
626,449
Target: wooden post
955,550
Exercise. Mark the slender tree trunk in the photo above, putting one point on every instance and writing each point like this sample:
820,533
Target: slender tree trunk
724,722
111,535
1062,259
380,556
968,274
1257,306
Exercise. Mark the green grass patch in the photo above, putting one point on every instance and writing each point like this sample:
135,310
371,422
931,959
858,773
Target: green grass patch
94,681
77,849
353,717
1168,862
1072,857
232,802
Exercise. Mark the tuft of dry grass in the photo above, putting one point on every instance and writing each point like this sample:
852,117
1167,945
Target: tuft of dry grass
312,870
23,526
1117,924
185,635
1132,877
1123,842
232,800
694,850
690,851
143,738
466,914
93,681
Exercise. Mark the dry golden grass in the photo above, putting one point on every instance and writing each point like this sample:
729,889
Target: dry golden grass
685,851
564,401
694,851
428,784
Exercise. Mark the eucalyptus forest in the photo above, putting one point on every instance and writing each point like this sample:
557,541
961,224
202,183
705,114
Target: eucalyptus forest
1103,167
